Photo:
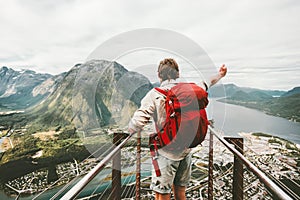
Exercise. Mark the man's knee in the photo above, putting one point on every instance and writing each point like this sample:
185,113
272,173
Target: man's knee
160,196
179,192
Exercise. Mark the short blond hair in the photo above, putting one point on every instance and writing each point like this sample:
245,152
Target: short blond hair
168,69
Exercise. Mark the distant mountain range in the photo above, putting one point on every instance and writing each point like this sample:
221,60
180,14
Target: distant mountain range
22,89
275,102
228,90
92,94
50,97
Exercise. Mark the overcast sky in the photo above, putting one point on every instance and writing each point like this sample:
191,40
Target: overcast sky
259,41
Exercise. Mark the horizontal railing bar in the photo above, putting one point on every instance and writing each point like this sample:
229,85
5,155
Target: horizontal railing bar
276,190
76,189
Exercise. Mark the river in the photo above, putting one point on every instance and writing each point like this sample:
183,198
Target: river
231,119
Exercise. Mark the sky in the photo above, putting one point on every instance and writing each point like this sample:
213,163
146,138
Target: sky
259,41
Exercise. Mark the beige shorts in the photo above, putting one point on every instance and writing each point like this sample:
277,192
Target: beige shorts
172,172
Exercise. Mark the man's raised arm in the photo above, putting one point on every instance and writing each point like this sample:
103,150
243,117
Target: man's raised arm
216,78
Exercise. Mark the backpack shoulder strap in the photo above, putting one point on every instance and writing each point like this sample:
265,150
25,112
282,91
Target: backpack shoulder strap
164,92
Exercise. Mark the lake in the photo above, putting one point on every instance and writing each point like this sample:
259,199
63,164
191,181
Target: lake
232,119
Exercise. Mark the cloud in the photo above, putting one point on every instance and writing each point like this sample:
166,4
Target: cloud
51,35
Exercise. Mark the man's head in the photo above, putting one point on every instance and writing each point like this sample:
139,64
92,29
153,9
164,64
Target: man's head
168,69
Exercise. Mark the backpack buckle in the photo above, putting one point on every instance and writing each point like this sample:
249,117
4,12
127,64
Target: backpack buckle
155,157
172,115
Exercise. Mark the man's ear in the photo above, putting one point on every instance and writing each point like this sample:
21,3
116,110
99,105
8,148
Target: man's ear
158,74
177,76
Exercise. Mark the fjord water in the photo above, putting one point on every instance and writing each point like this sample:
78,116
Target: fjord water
233,119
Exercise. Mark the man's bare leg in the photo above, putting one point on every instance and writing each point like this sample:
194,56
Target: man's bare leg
159,196
179,192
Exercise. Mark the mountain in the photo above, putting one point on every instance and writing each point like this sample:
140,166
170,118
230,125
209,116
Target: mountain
295,90
96,93
228,90
249,97
259,95
286,105
93,94
240,96
236,93
223,90
22,89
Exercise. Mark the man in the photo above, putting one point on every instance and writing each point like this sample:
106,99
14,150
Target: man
175,167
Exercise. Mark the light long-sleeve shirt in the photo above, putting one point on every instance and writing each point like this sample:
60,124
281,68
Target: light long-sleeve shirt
153,106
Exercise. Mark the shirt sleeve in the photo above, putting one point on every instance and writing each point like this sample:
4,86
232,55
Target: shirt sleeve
143,115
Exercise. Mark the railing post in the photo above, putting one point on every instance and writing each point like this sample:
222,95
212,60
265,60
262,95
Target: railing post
116,169
237,168
138,167
210,166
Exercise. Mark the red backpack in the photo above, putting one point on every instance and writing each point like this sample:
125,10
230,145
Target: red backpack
186,120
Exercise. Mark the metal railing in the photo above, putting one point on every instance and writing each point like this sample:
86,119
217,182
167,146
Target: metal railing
238,170
239,162
75,190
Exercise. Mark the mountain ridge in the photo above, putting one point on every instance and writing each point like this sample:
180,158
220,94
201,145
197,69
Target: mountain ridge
22,89
34,94
286,105
224,90
109,81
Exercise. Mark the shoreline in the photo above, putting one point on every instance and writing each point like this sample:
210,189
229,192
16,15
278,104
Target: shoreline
247,134
244,104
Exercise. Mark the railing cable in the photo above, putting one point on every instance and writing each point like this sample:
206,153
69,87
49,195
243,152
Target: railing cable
278,182
75,190
75,178
266,180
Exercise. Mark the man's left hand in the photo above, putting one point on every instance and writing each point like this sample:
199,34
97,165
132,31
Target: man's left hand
223,70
